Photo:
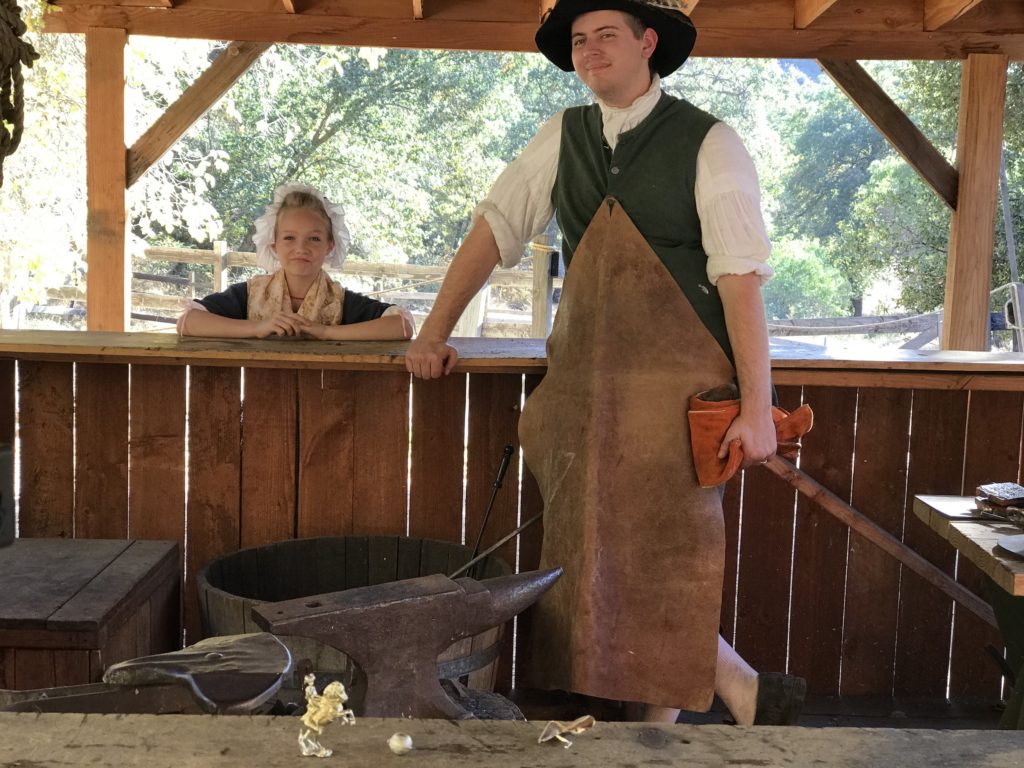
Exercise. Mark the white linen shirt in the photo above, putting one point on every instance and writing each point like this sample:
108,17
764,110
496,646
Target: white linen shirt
727,191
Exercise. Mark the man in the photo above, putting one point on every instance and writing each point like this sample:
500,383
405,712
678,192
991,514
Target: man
665,250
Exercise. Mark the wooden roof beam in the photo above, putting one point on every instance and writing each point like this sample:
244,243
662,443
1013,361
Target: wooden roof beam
806,12
191,105
545,7
417,9
938,13
893,123
289,6
323,29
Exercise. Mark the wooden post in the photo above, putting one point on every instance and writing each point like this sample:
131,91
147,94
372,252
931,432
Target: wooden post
220,269
972,234
542,285
471,324
107,282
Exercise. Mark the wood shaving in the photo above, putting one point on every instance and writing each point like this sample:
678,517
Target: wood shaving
556,729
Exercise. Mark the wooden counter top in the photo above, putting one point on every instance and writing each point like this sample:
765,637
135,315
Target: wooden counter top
183,741
893,368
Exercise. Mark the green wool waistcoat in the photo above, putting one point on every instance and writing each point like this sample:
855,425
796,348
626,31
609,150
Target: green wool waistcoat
652,174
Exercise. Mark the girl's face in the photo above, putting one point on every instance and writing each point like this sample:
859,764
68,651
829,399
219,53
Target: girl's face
302,241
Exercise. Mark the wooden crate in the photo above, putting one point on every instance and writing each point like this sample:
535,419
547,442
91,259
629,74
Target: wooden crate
69,608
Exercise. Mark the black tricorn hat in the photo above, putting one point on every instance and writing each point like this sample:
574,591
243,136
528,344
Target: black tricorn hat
676,33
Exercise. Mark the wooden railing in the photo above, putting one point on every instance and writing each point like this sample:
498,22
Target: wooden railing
222,445
220,260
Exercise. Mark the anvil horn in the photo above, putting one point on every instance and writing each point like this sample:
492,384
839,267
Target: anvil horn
510,595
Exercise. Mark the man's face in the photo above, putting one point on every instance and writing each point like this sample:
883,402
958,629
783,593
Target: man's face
609,58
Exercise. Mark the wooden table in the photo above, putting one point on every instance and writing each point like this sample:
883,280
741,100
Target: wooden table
974,539
184,741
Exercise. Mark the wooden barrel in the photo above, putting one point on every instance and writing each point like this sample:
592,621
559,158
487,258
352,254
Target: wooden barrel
230,585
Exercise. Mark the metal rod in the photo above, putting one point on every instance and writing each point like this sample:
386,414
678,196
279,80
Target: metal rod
506,457
878,536
496,546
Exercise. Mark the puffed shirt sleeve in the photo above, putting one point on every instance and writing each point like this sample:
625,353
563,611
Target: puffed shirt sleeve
729,205
518,207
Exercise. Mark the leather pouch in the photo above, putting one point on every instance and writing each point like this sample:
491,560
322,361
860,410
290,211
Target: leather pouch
710,414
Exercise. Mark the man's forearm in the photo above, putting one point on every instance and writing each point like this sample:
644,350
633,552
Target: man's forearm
748,334
472,265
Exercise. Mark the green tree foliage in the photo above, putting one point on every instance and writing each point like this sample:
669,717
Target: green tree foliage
409,141
804,284
871,213
42,203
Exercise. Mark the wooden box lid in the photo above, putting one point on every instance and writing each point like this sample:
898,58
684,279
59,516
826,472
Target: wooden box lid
69,593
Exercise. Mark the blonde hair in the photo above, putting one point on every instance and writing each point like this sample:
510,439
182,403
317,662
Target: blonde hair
299,200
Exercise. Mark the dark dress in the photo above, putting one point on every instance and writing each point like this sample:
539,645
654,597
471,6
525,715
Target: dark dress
233,303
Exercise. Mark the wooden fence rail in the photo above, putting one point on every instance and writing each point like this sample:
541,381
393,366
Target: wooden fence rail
535,322
144,437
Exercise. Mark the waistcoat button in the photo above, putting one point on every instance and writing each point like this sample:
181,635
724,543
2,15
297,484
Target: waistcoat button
615,170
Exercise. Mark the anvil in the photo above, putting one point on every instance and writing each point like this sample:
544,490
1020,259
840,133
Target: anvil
395,631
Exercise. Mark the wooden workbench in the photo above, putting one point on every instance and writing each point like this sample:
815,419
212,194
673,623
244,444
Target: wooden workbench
974,539
174,741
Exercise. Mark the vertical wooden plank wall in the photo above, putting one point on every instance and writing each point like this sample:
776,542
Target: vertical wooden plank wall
873,577
46,421
381,452
530,504
819,557
268,455
765,562
938,427
214,471
326,453
993,450
101,451
438,445
310,453
493,424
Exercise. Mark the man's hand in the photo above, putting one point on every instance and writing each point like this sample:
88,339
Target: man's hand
281,324
427,359
756,434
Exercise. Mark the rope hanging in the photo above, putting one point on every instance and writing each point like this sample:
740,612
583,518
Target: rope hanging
13,53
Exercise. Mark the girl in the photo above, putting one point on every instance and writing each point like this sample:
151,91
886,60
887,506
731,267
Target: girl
297,234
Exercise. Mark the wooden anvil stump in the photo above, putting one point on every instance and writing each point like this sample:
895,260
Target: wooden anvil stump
395,631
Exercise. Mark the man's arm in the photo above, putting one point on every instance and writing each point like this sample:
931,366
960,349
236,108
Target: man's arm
430,355
748,334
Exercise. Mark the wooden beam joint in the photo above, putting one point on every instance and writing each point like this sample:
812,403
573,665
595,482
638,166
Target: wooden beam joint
417,9
938,13
806,12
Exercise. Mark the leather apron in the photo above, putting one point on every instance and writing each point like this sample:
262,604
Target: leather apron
636,615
